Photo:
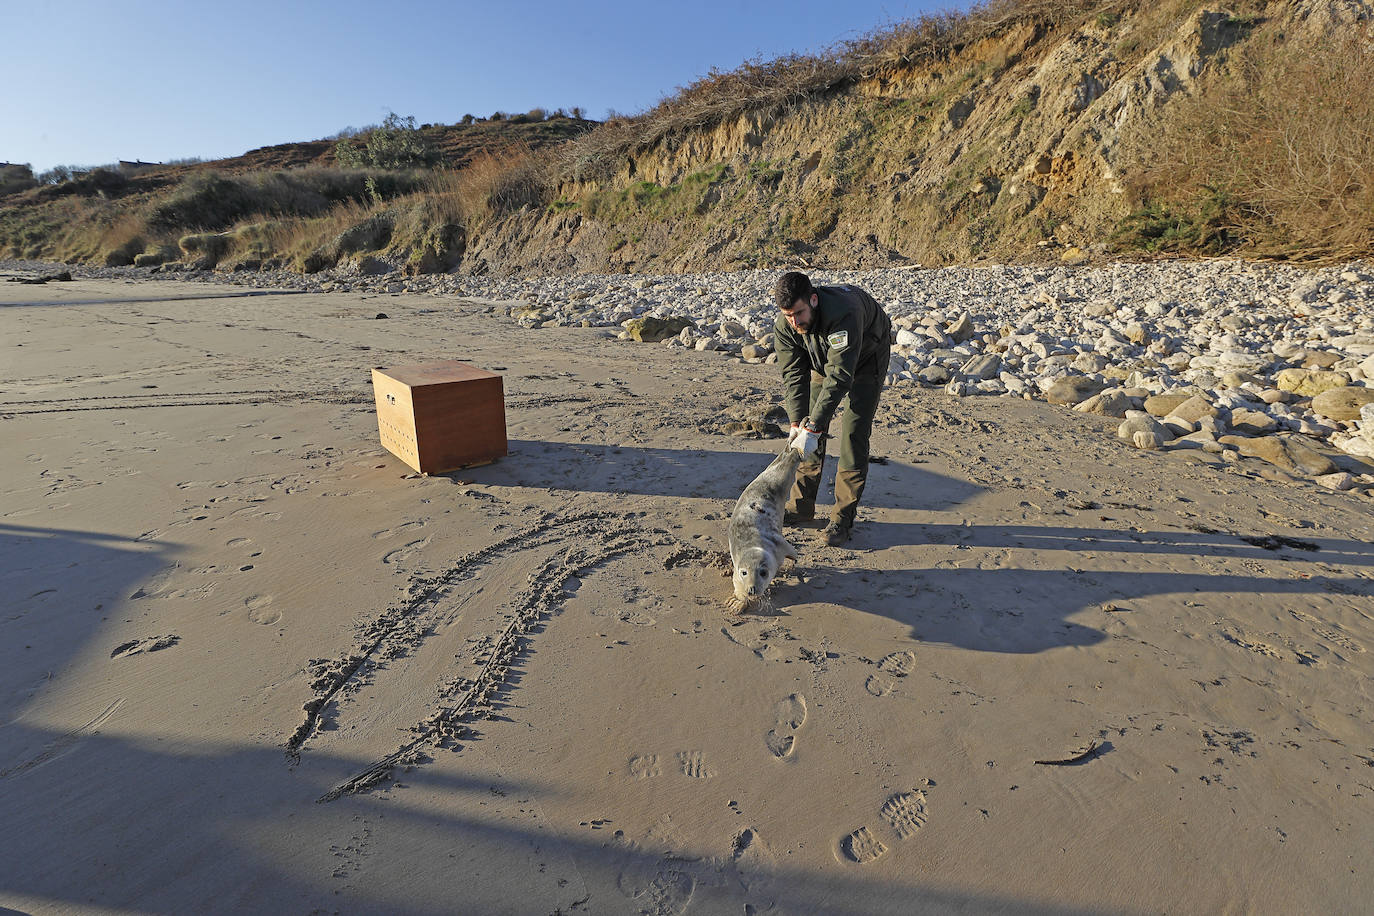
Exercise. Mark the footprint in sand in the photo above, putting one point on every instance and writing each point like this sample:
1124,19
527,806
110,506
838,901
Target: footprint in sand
238,542
259,610
755,868
790,716
402,554
147,644
756,636
898,664
747,847
906,813
694,764
387,533
1331,633
878,685
645,766
662,886
157,585
194,593
1239,637
862,846
1290,651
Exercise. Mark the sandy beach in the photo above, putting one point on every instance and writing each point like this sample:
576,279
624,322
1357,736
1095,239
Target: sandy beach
244,650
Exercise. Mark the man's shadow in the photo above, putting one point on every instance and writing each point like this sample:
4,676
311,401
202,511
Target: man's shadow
696,473
1017,610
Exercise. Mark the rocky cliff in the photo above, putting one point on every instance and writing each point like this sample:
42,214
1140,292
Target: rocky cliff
1023,144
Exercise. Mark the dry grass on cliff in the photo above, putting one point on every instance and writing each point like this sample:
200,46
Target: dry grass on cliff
1278,155
501,182
766,85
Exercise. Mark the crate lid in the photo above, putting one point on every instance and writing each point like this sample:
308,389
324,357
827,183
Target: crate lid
435,373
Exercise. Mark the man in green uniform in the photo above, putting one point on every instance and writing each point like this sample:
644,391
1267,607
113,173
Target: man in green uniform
833,345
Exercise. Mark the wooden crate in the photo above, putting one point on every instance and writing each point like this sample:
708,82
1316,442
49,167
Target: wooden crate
440,416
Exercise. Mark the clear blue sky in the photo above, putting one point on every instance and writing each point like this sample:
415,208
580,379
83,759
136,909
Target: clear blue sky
94,81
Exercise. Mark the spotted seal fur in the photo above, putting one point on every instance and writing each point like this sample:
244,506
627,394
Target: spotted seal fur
757,547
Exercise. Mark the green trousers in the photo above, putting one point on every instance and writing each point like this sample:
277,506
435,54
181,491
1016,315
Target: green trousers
856,427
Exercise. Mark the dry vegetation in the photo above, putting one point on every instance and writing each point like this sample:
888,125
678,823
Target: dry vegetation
1276,157
771,85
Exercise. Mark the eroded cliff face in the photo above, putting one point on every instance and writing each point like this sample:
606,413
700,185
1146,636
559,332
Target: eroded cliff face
1019,146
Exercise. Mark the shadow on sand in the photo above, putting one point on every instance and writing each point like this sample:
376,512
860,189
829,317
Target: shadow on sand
219,829
1011,609
59,587
698,473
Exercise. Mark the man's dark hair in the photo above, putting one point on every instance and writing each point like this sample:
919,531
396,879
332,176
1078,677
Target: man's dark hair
790,287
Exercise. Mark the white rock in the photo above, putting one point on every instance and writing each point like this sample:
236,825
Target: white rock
1243,362
1204,441
1214,425
1137,421
1013,384
1358,446
906,338
1178,426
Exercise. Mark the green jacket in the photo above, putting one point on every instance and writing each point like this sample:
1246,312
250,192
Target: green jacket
848,327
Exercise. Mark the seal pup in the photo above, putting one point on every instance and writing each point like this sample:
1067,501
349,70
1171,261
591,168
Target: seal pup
757,547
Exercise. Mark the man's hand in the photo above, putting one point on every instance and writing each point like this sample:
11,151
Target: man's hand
805,440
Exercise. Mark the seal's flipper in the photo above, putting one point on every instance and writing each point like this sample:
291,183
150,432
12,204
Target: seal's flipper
788,551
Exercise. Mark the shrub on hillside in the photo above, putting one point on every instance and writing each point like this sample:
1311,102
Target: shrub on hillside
59,173
397,144
212,200
102,181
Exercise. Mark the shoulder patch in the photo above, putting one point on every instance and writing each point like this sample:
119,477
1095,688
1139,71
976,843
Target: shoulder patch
839,340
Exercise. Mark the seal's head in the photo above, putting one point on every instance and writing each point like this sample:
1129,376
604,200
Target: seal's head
754,570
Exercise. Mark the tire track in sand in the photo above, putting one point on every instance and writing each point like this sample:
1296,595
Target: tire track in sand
582,543
63,744
402,626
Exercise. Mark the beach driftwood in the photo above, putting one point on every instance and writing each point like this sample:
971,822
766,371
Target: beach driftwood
1075,757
